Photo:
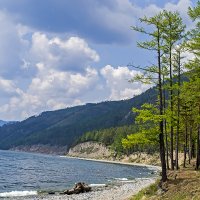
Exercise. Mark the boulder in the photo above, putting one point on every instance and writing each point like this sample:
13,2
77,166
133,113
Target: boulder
78,188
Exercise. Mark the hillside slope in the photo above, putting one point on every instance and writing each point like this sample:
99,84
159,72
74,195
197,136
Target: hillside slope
64,127
6,122
2,122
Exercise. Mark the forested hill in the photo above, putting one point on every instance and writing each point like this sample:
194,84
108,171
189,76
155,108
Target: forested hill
6,122
2,122
64,127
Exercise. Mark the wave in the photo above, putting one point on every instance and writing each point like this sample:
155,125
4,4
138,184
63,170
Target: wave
148,178
97,185
121,179
18,193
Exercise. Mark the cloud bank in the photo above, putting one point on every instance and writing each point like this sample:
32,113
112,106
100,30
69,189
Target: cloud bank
61,74
48,58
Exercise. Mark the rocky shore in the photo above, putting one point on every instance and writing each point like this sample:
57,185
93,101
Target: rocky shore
121,191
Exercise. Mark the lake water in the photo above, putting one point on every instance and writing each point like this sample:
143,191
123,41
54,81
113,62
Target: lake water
36,172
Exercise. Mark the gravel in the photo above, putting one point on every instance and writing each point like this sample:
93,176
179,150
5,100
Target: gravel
119,191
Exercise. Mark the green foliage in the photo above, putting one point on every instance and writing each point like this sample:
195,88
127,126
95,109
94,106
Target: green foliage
181,112
147,119
195,12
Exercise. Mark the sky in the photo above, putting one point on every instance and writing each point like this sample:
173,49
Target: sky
61,53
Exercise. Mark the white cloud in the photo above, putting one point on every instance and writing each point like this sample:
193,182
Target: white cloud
73,54
58,70
54,90
56,83
62,74
40,72
182,7
58,89
8,88
117,82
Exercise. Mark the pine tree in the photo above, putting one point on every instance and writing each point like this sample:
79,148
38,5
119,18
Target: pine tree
173,30
194,46
155,44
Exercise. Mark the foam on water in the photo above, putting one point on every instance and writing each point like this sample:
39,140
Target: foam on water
18,193
121,179
97,185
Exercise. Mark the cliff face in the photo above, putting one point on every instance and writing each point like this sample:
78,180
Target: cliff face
94,150
90,150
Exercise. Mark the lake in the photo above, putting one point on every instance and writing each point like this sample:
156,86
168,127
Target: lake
37,172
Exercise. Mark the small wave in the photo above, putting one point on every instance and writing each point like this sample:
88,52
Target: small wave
143,178
121,179
18,193
97,185
154,168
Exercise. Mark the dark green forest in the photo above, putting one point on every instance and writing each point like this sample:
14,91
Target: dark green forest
64,127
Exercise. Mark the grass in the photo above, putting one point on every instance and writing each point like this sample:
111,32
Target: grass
186,186
146,192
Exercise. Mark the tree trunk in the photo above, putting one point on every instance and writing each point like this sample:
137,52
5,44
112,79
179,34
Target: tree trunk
165,126
161,135
172,148
185,145
198,149
177,144
167,146
190,145
171,107
193,149
178,109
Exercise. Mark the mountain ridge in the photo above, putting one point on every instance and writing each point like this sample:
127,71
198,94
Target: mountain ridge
63,127
2,122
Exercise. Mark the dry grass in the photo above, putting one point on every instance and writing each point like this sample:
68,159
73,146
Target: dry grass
183,184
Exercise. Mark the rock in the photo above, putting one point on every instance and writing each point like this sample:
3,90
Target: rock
162,188
160,192
92,150
79,188
51,192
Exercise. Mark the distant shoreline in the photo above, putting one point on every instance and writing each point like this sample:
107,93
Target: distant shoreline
157,168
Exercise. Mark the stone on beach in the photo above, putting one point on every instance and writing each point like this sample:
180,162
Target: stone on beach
117,192
79,188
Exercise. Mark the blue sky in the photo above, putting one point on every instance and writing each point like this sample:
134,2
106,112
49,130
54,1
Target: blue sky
55,53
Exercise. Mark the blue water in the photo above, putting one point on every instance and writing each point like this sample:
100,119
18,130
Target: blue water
29,172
